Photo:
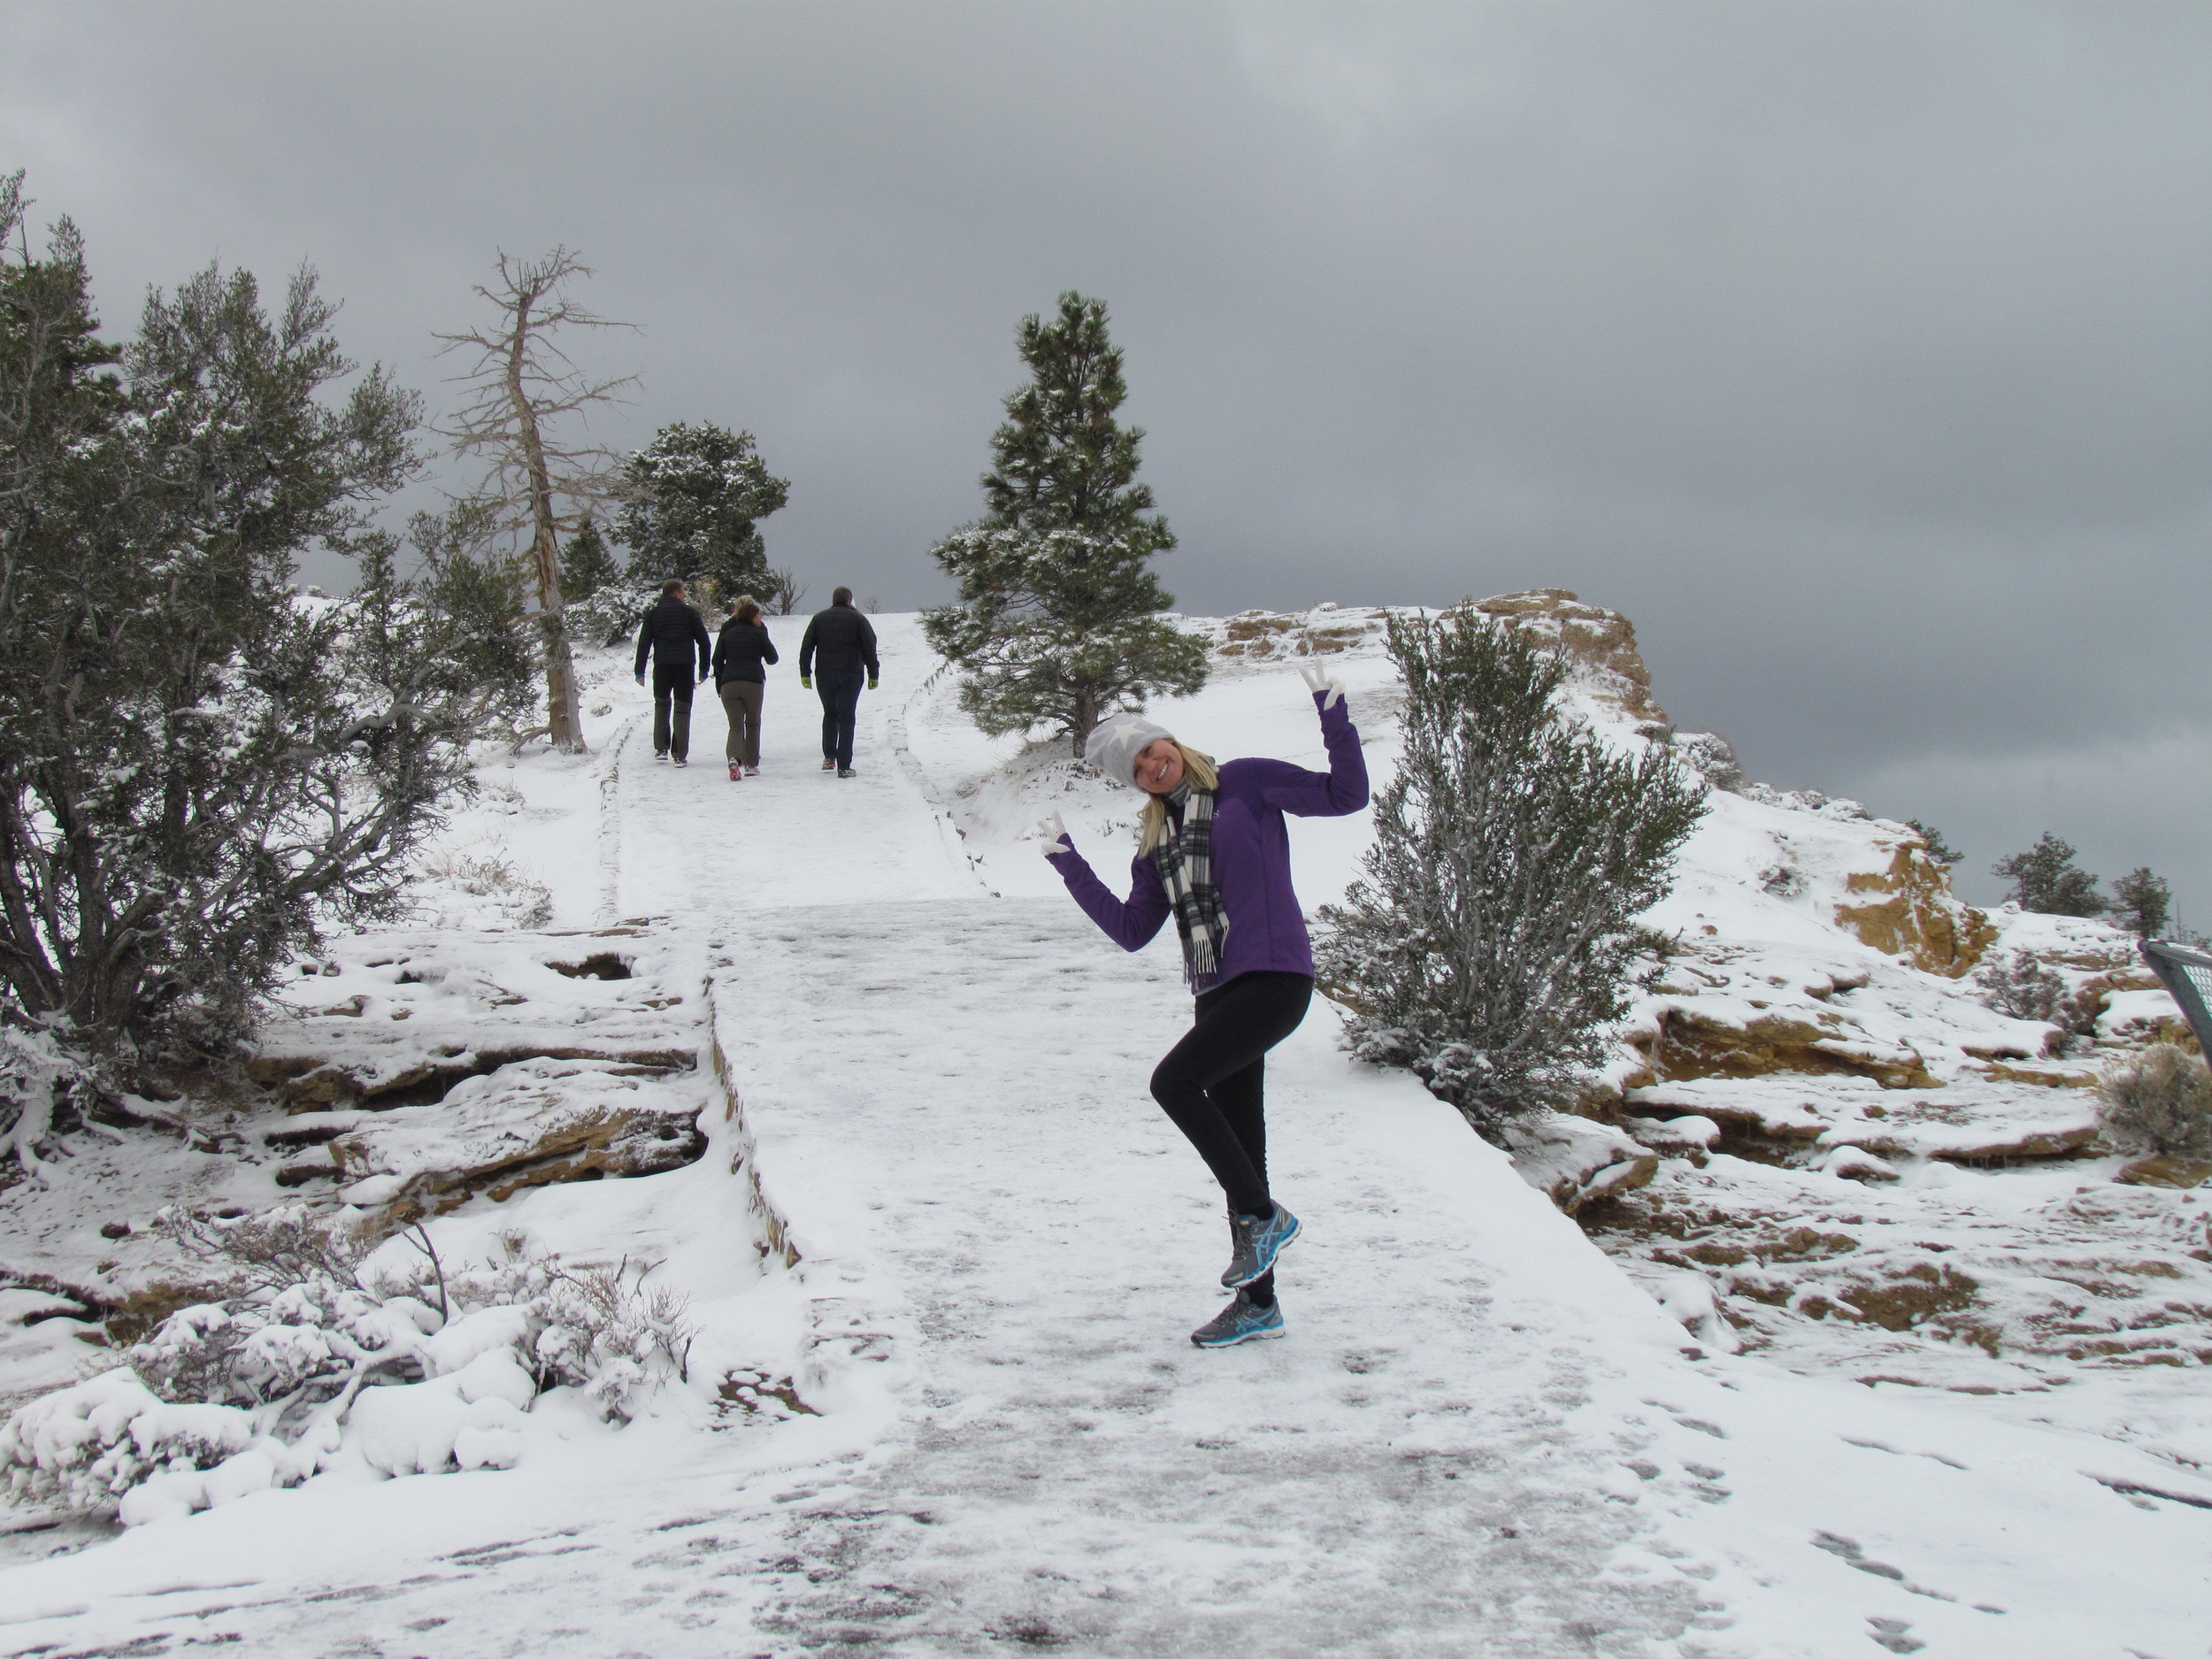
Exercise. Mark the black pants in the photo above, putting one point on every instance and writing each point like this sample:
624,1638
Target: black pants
1213,1082
839,691
671,727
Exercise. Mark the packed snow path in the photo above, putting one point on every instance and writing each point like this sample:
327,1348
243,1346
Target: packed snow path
946,1090
953,1091
1477,1439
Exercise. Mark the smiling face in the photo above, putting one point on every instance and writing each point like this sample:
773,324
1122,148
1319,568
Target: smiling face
1159,767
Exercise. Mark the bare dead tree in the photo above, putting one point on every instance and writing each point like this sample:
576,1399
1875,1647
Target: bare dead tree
789,592
519,386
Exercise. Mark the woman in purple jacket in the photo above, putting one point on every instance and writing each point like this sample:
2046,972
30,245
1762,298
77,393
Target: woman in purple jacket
1214,853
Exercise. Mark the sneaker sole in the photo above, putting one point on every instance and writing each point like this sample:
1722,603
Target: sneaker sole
1281,1244
1248,1336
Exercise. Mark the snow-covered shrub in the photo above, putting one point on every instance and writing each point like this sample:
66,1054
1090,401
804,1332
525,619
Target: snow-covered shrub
2159,1101
1712,756
508,895
88,1447
597,1329
610,616
2021,986
306,1353
44,1090
1491,933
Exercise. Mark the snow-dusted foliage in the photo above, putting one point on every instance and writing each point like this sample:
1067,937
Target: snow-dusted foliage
2024,987
2158,1100
310,1352
43,1088
198,773
2019,986
1491,933
692,510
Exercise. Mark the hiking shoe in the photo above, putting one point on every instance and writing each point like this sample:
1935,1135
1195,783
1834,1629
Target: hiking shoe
737,772
1243,1320
844,772
1259,1240
829,765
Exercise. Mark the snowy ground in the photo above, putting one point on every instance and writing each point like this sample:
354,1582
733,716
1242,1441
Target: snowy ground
937,1212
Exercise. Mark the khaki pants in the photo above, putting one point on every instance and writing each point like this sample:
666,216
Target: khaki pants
741,701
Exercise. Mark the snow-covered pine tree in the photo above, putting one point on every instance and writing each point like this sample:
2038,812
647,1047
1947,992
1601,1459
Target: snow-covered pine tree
691,509
1491,933
1057,623
193,777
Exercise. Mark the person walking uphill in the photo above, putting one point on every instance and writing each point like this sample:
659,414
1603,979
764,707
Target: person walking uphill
840,643
1215,855
672,633
741,679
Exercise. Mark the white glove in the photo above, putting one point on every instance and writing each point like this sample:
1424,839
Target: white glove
1319,679
1051,835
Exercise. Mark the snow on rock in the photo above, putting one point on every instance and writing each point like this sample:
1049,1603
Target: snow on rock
530,1123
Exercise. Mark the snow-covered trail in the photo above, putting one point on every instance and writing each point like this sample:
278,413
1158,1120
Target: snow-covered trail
951,1094
945,1092
695,847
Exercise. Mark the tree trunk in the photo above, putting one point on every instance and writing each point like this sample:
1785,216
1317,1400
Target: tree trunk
563,715
1086,721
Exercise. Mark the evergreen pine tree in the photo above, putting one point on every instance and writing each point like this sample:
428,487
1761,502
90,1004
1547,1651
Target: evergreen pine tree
694,499
2045,879
587,566
2142,902
1057,623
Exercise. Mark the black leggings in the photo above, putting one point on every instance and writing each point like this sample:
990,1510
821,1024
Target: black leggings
1213,1082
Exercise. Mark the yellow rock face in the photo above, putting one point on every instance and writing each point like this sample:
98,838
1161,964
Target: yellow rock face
1603,641
1689,1048
1910,911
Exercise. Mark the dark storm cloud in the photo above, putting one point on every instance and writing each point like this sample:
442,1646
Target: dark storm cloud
1859,351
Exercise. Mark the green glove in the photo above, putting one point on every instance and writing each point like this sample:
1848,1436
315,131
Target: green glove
871,682
806,682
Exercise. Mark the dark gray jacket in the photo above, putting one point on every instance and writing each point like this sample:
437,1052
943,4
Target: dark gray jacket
671,632
838,638
740,652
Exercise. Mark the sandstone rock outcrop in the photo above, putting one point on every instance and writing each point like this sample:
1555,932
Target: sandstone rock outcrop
1600,643
1909,911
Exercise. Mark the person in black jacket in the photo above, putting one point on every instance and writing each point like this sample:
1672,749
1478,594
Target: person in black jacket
741,680
844,643
673,632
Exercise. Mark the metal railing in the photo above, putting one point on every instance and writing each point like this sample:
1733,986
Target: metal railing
2186,972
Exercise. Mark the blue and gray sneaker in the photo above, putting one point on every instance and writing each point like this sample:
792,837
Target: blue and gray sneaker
1259,1240
1243,1320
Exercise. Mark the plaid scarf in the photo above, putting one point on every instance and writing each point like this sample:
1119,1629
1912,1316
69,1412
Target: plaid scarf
1185,857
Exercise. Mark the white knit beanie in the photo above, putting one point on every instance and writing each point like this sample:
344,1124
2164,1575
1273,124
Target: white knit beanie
1116,742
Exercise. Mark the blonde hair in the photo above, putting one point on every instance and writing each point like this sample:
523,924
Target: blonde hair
1198,770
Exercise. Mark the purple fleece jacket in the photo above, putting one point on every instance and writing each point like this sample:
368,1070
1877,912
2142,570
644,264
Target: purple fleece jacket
1251,859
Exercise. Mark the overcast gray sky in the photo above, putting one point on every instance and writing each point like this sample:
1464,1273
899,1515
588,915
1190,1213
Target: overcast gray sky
1860,352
